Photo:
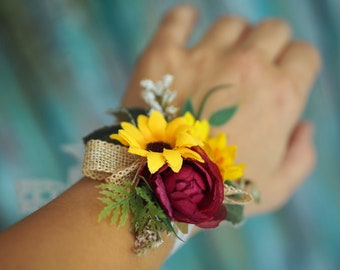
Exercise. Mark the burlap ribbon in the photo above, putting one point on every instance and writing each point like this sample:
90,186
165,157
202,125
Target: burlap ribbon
109,162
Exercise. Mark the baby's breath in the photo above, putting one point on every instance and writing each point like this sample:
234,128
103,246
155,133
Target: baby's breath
159,96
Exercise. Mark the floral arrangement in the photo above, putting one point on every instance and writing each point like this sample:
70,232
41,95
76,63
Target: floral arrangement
161,167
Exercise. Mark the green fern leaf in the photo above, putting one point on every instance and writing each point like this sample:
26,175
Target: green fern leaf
124,214
105,212
115,215
117,198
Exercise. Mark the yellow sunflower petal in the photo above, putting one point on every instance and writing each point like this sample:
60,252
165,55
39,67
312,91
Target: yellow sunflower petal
142,122
177,125
155,161
119,138
232,150
138,151
232,173
188,153
219,141
201,130
157,125
174,159
134,132
189,118
128,138
185,139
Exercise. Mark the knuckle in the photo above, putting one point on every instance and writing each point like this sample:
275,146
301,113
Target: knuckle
249,58
201,56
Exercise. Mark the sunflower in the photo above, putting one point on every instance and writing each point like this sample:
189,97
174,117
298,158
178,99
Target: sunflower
224,156
200,128
159,141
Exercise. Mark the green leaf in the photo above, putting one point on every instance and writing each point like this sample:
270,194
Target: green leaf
105,200
115,215
140,201
222,116
123,114
117,199
183,227
151,213
125,214
206,97
234,213
128,114
188,107
106,212
103,134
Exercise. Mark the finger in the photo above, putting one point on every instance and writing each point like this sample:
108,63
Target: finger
224,33
268,37
301,62
299,159
176,26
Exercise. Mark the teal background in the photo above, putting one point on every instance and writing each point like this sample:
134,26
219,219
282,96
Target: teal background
63,64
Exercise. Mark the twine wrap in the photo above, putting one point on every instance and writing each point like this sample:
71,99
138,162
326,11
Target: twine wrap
109,162
234,195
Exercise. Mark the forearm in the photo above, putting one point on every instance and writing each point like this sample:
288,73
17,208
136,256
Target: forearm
65,234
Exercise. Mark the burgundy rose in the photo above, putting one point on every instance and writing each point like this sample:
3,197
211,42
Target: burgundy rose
194,194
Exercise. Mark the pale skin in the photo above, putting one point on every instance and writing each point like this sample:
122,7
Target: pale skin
271,76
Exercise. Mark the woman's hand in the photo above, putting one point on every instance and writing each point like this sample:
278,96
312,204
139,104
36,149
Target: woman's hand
270,77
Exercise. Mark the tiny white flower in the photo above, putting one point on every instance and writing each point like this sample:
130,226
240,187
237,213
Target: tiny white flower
159,88
168,97
171,110
158,95
156,106
167,80
148,96
147,84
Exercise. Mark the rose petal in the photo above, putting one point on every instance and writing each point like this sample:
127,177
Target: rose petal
194,194
162,195
220,216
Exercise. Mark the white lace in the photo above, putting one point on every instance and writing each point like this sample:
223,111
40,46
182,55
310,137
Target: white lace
34,193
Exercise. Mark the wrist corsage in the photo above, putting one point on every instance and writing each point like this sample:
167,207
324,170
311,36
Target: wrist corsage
161,167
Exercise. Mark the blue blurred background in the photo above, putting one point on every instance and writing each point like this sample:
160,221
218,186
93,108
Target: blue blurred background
63,64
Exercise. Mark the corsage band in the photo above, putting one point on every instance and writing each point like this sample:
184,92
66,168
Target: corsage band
161,167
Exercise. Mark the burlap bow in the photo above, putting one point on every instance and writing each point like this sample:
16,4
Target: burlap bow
111,163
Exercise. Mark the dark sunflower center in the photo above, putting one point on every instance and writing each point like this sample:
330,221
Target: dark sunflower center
157,146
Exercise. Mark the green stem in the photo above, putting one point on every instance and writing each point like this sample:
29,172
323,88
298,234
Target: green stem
206,97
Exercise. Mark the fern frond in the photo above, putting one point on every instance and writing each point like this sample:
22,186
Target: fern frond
117,200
